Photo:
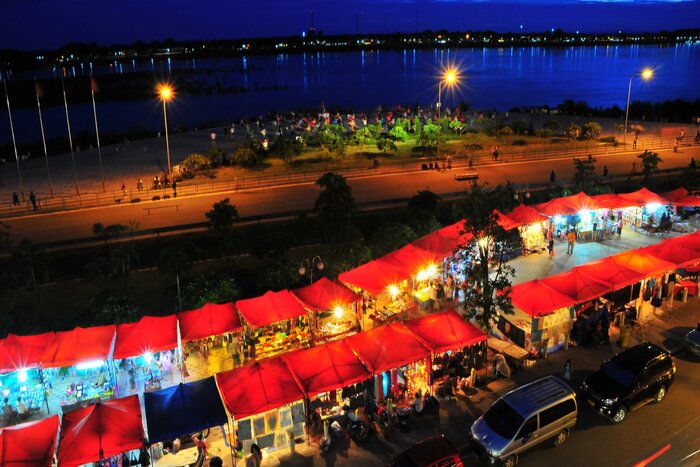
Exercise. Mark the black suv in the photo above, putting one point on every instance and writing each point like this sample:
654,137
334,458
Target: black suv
632,378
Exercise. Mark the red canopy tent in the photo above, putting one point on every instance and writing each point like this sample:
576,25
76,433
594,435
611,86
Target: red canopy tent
506,222
580,202
101,430
149,334
437,244
78,345
610,201
373,276
325,294
258,387
689,241
577,285
525,215
642,197
325,368
643,262
674,252
445,331
29,444
411,259
270,308
555,207
387,347
610,271
680,197
22,352
537,299
210,320
456,233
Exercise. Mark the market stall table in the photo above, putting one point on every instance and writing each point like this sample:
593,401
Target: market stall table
182,458
512,351
687,284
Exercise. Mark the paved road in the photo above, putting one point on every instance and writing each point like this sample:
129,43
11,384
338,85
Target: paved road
77,224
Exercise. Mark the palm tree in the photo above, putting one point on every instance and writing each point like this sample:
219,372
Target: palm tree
650,164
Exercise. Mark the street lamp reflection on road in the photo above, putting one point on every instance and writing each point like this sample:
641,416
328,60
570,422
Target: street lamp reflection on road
166,93
646,74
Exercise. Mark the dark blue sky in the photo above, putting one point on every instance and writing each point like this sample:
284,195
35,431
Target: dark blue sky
31,24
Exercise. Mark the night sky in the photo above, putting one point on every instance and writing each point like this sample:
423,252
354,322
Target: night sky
34,24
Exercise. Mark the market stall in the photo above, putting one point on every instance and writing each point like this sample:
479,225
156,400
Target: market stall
265,402
542,318
147,355
681,197
21,378
333,307
647,212
531,225
100,431
386,290
219,327
76,368
579,211
398,360
332,377
180,411
425,270
274,323
461,244
29,444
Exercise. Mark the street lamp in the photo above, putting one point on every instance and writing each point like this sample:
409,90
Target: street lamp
310,264
450,78
646,75
166,93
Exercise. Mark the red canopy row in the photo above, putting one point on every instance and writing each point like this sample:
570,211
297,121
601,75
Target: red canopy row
29,444
595,279
210,320
22,352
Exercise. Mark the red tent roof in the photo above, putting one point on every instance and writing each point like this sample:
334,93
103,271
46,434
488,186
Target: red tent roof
325,368
101,430
437,244
555,207
610,271
674,252
680,197
374,276
149,334
580,202
411,259
270,308
210,320
445,331
387,347
642,197
690,241
537,299
456,233
525,215
79,345
506,222
21,352
643,262
29,444
577,285
258,387
611,201
325,294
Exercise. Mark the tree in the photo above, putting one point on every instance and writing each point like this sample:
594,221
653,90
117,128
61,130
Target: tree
109,232
650,164
422,212
385,144
245,156
195,163
390,236
221,217
543,133
572,131
427,139
398,133
584,175
335,204
592,129
471,142
286,148
106,309
487,288
217,157
213,287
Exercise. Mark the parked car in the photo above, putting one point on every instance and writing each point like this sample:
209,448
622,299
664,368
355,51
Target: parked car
692,341
629,380
544,410
437,451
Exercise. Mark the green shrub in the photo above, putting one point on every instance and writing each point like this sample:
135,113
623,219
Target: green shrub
194,163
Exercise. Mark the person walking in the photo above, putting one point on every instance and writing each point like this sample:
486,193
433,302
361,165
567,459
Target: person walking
255,457
605,171
139,184
174,189
568,370
124,188
15,199
634,143
550,248
571,238
32,198
692,164
675,145
552,177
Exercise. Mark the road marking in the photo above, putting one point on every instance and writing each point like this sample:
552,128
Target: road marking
653,457
689,456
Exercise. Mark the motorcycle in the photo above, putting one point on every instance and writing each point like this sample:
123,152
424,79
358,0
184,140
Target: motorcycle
358,429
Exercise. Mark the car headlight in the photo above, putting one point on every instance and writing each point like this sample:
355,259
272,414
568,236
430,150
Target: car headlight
609,401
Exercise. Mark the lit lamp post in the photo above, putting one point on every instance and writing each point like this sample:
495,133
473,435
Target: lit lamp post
310,264
165,93
449,77
646,75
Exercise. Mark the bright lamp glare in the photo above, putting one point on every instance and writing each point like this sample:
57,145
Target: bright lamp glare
148,356
89,364
338,312
647,73
653,207
558,219
393,291
22,376
585,217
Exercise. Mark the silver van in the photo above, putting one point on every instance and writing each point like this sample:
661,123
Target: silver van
543,410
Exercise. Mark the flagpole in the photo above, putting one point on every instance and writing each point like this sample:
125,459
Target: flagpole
70,138
43,136
14,142
97,132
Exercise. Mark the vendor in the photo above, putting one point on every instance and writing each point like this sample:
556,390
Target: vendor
101,380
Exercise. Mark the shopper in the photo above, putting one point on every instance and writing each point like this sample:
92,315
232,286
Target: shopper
550,248
32,198
571,238
568,370
254,459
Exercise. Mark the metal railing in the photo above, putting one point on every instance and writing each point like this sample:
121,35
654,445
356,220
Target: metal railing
289,177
